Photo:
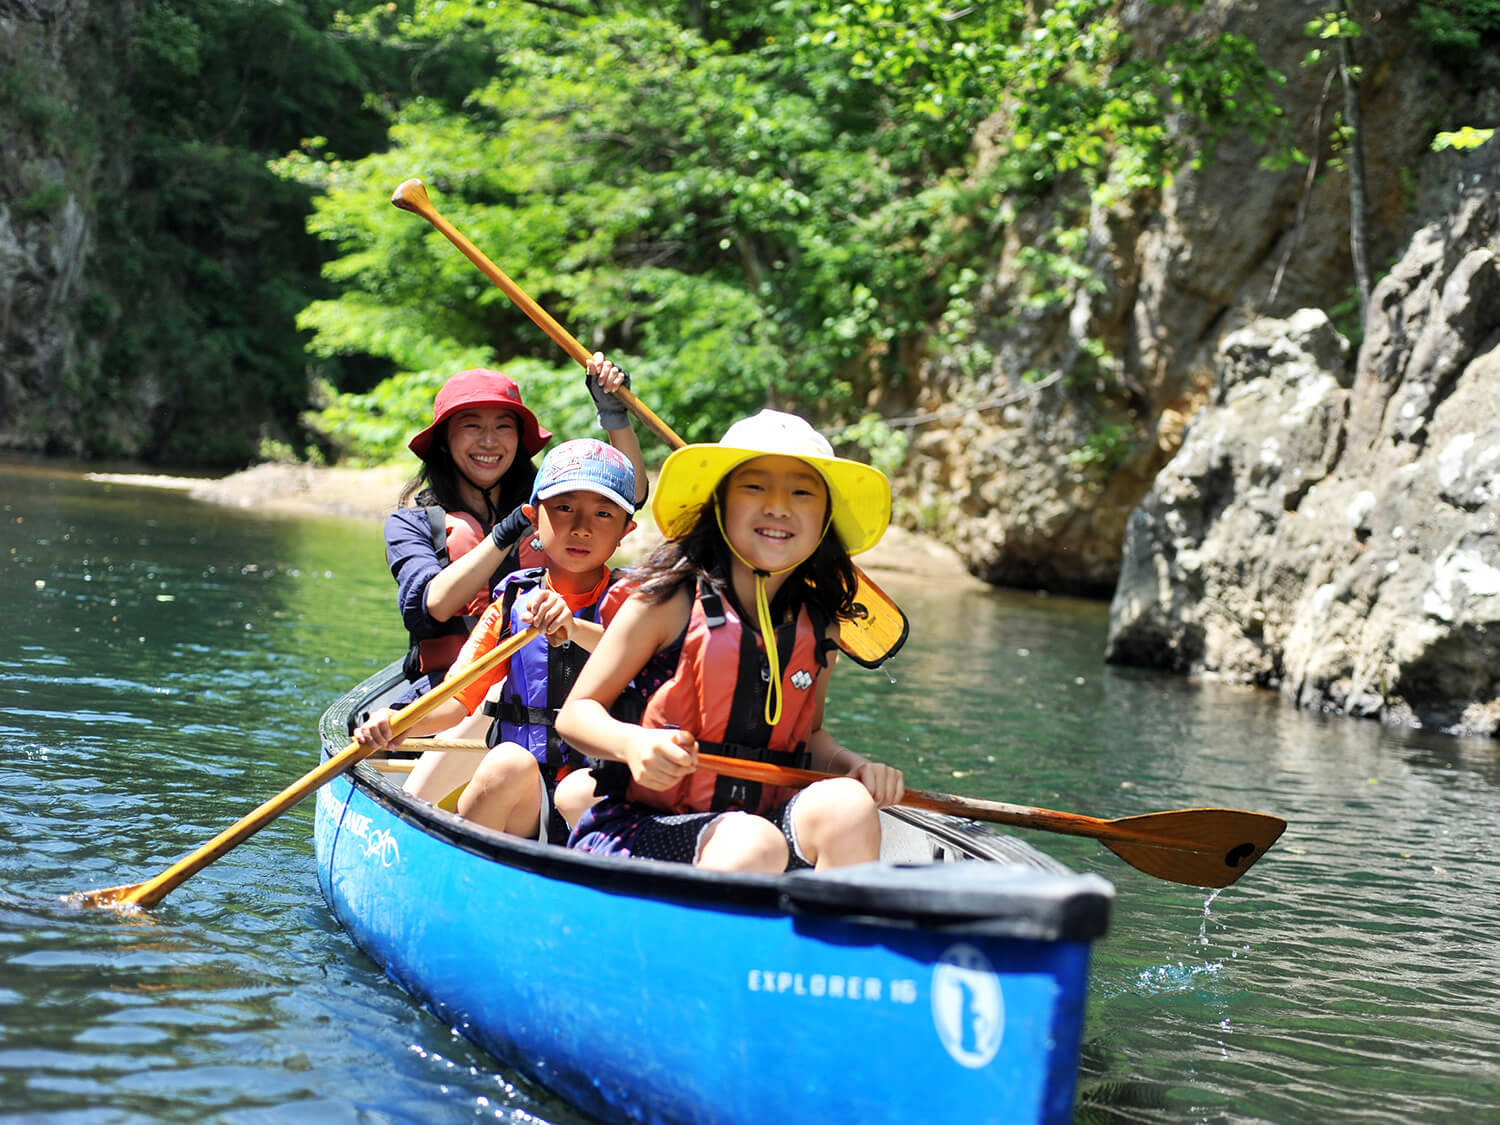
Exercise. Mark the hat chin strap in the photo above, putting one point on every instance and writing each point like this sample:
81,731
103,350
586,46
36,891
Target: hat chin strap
492,513
763,610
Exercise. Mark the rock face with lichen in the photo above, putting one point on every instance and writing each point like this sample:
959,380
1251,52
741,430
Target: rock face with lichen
1030,459
1334,530
57,161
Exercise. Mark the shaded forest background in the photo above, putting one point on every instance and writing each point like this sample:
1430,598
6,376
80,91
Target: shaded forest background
803,204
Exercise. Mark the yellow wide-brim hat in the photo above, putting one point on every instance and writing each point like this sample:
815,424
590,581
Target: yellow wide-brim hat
859,495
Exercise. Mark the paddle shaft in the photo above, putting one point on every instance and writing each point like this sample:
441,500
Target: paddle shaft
1022,816
412,196
152,891
880,627
1199,847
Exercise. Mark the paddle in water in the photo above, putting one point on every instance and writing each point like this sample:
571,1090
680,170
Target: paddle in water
153,890
878,629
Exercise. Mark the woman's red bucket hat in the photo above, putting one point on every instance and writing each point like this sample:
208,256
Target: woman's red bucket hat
469,390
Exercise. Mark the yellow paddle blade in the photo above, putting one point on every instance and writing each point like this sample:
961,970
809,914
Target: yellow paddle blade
878,629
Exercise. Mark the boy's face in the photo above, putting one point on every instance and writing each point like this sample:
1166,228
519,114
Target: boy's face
579,530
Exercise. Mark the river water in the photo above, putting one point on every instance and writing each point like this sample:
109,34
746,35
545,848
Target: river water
167,664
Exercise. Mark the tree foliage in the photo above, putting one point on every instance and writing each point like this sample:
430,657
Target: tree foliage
744,204
202,263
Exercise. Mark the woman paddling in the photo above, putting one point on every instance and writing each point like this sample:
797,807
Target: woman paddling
456,532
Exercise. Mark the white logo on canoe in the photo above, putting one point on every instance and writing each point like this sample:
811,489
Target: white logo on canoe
378,841
968,1010
381,843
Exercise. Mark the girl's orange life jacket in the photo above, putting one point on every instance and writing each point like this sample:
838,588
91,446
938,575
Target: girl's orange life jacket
718,693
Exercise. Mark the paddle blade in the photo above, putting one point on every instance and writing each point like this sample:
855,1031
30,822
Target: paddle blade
105,896
152,891
1199,847
878,629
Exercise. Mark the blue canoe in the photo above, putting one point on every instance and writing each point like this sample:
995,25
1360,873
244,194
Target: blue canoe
917,989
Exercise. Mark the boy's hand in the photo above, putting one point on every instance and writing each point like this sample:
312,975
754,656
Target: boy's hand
549,612
659,758
886,784
375,732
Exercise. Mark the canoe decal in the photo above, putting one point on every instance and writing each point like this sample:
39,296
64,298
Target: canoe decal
833,986
968,1008
378,841
381,843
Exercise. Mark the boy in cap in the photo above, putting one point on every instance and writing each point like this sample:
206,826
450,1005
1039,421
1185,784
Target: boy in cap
582,505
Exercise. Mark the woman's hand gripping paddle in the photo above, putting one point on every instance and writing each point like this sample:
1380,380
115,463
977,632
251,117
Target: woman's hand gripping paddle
878,629
152,891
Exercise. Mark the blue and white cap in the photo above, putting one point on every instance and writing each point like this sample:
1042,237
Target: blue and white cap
586,465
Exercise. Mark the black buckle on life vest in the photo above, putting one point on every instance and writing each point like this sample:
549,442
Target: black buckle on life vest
734,793
517,714
713,604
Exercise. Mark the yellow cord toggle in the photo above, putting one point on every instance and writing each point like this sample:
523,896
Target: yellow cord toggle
763,612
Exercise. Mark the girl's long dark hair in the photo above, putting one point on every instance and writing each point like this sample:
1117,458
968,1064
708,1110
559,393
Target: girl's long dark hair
437,482
826,578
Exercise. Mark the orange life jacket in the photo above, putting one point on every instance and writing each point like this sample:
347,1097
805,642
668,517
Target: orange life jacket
718,693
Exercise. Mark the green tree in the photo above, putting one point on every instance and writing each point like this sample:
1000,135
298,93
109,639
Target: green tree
771,204
203,262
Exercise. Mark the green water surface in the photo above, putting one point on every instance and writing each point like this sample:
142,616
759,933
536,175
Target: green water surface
167,664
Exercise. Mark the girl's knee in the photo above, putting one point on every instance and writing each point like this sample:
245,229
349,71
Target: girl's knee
837,823
837,800
741,841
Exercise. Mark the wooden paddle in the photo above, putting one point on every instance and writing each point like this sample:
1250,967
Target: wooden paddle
152,891
879,627
1199,847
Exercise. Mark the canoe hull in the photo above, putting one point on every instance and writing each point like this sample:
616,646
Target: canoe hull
651,992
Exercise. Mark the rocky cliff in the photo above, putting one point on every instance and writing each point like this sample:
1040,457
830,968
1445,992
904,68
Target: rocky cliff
1332,529
1033,479
58,158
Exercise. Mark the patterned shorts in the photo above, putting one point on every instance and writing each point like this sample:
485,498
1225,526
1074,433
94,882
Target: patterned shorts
623,828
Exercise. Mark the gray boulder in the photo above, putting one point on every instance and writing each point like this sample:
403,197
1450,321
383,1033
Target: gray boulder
1333,534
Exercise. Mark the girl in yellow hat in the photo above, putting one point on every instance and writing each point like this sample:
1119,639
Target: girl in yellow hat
731,636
